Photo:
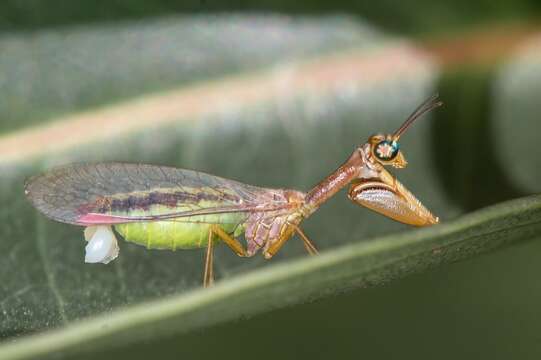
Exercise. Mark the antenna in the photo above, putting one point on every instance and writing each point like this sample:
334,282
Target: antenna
429,104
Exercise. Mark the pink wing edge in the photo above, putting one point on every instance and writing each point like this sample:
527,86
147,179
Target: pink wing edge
102,219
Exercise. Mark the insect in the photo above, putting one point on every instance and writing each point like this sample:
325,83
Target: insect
169,208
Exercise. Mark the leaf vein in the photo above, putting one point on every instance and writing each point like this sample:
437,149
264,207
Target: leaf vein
51,281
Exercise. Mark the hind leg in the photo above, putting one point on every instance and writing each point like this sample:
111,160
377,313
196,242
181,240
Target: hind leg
234,244
208,275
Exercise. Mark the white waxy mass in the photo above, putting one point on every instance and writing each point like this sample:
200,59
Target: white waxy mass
102,244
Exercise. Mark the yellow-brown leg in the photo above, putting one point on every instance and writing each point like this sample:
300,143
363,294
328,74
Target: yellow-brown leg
208,275
234,244
230,241
308,244
273,249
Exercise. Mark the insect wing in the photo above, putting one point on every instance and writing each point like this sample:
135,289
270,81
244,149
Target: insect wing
112,193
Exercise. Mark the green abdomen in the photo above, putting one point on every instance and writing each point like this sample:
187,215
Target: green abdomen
184,233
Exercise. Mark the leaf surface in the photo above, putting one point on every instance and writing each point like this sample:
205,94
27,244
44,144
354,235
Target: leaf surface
363,264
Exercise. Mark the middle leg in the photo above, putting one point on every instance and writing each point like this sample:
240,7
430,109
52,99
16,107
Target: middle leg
308,244
291,228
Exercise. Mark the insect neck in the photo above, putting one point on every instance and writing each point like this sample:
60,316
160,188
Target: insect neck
333,183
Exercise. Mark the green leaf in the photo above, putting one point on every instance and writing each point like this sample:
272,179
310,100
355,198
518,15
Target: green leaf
285,116
314,134
55,72
305,118
398,17
362,264
516,125
465,131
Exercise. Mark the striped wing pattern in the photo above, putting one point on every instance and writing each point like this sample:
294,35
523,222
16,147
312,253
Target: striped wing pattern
110,192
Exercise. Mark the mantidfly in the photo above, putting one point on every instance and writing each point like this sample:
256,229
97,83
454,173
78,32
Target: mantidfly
168,208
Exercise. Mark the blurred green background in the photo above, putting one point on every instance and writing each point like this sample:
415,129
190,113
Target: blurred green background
60,58
418,16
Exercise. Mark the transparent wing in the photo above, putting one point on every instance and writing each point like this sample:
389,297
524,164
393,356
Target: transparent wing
109,193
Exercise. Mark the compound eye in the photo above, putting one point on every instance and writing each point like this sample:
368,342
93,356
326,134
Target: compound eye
386,150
